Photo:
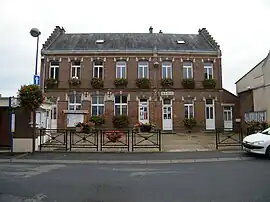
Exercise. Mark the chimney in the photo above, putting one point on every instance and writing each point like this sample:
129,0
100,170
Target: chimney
160,31
150,29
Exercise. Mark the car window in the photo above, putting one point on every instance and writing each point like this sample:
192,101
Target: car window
266,131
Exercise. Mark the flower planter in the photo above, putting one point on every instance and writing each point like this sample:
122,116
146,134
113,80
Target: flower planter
188,83
167,82
97,83
145,128
143,83
209,83
120,83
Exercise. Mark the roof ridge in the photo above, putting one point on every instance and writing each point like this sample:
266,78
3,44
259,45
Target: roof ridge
128,33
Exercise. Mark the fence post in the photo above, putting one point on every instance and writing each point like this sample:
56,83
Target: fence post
40,135
159,136
217,133
101,139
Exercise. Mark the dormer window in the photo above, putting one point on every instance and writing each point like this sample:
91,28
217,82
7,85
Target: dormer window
99,41
180,42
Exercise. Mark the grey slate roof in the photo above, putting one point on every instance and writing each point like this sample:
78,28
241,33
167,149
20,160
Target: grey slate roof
129,42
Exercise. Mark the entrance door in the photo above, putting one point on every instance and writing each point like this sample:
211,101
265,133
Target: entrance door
167,114
54,117
227,114
143,111
210,114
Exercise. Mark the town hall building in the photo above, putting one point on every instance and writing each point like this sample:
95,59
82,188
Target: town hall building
151,77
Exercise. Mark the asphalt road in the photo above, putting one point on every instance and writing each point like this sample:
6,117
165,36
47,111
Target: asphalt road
227,181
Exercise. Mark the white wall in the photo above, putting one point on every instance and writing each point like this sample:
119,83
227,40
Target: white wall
253,79
261,100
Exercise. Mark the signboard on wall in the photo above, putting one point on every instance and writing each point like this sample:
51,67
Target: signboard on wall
73,119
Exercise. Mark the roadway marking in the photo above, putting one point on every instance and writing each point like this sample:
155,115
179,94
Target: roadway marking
26,170
40,197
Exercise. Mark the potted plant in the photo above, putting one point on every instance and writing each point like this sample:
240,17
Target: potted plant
97,83
209,83
120,121
52,82
120,82
188,83
114,136
167,82
79,126
97,120
74,81
144,127
143,83
189,123
84,127
30,97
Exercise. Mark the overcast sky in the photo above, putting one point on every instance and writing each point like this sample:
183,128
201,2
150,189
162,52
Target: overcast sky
241,27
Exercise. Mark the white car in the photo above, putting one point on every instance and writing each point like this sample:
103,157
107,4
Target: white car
258,143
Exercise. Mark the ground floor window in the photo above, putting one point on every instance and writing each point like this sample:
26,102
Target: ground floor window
97,105
120,105
189,108
74,102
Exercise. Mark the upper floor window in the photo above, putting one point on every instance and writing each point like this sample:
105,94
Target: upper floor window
98,69
121,69
74,102
120,105
166,70
97,105
76,69
208,70
143,70
187,70
189,108
54,70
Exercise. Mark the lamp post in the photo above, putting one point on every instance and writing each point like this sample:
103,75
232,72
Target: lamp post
35,33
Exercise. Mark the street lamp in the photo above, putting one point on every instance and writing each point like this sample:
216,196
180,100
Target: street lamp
35,33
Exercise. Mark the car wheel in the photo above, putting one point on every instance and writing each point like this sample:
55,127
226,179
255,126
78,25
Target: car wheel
267,153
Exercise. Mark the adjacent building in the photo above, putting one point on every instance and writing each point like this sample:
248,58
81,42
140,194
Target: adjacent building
253,90
156,77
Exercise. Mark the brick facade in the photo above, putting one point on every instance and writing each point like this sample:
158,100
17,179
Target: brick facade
153,94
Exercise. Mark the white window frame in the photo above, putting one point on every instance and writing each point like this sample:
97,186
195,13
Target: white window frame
120,66
121,104
189,105
168,67
143,66
76,71
98,68
187,66
226,110
209,69
147,105
98,104
54,67
75,104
